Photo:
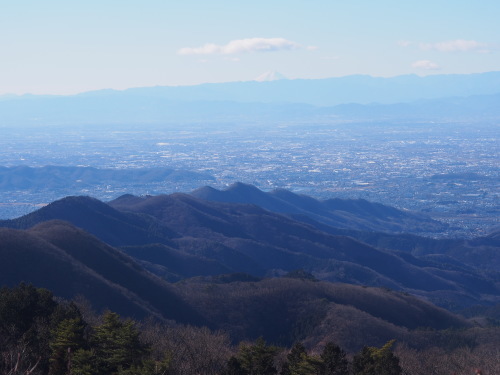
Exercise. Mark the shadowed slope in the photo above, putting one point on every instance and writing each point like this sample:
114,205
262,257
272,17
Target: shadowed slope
114,227
215,237
279,244
356,214
82,251
373,223
287,310
29,258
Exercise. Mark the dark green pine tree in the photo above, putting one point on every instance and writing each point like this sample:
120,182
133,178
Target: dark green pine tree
285,369
84,362
376,361
234,367
296,355
67,339
117,343
309,365
334,360
258,359
300,363
115,349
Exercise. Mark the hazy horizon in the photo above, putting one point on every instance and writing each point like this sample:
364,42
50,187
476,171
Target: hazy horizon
64,48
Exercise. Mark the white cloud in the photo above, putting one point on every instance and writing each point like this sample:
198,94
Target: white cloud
459,45
404,43
425,64
241,46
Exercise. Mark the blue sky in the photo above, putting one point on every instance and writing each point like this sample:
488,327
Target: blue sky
71,46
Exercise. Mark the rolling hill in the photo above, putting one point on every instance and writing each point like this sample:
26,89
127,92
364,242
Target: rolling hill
114,227
70,262
179,236
273,244
232,264
286,310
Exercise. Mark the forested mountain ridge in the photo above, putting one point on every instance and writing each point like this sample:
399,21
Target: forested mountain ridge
339,213
376,224
71,263
177,236
234,267
96,217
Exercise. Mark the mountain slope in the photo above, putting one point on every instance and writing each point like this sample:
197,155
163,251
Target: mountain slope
215,237
287,310
114,227
277,243
69,261
378,225
27,257
356,214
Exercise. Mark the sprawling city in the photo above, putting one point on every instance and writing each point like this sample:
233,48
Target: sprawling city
448,170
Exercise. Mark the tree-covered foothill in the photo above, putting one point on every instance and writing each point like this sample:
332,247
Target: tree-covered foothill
261,359
40,335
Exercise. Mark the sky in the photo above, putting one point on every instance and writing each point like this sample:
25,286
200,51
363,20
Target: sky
66,47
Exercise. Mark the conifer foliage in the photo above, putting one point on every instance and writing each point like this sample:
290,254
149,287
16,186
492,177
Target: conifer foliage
67,339
334,360
256,359
376,361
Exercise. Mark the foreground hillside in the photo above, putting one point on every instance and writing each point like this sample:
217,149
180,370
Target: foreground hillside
289,309
44,335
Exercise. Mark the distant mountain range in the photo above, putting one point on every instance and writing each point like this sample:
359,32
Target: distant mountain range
359,89
436,97
270,76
